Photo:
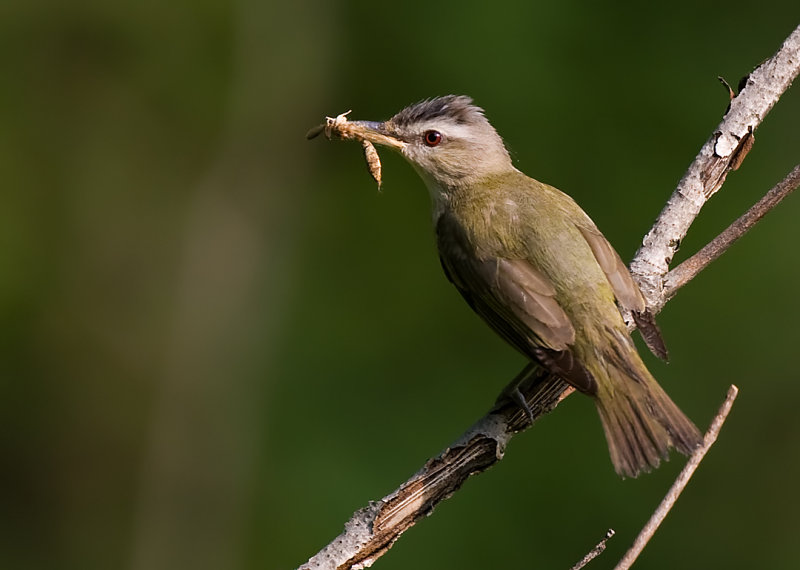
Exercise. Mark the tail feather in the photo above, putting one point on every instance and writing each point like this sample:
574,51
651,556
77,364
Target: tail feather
641,422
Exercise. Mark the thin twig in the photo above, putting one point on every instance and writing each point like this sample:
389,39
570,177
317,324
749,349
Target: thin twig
680,483
687,270
595,552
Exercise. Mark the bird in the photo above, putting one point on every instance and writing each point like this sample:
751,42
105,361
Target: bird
534,266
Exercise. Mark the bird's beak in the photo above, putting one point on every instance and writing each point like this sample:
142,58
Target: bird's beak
371,131
374,132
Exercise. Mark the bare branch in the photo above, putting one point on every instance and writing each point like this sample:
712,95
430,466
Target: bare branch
687,270
595,552
372,530
680,483
722,152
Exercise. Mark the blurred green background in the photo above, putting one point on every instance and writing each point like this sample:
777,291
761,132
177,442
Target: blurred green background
218,340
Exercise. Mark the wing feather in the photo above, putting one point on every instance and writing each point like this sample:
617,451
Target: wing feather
517,301
625,288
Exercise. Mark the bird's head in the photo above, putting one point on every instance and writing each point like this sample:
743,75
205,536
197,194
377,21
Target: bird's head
448,140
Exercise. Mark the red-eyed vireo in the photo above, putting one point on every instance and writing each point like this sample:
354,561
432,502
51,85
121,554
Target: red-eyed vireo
535,267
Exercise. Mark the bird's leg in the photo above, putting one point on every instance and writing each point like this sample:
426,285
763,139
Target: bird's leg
512,392
516,396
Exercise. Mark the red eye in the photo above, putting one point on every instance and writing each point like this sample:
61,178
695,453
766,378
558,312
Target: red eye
432,138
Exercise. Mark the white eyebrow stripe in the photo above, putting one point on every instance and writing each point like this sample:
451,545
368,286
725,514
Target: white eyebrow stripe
447,128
